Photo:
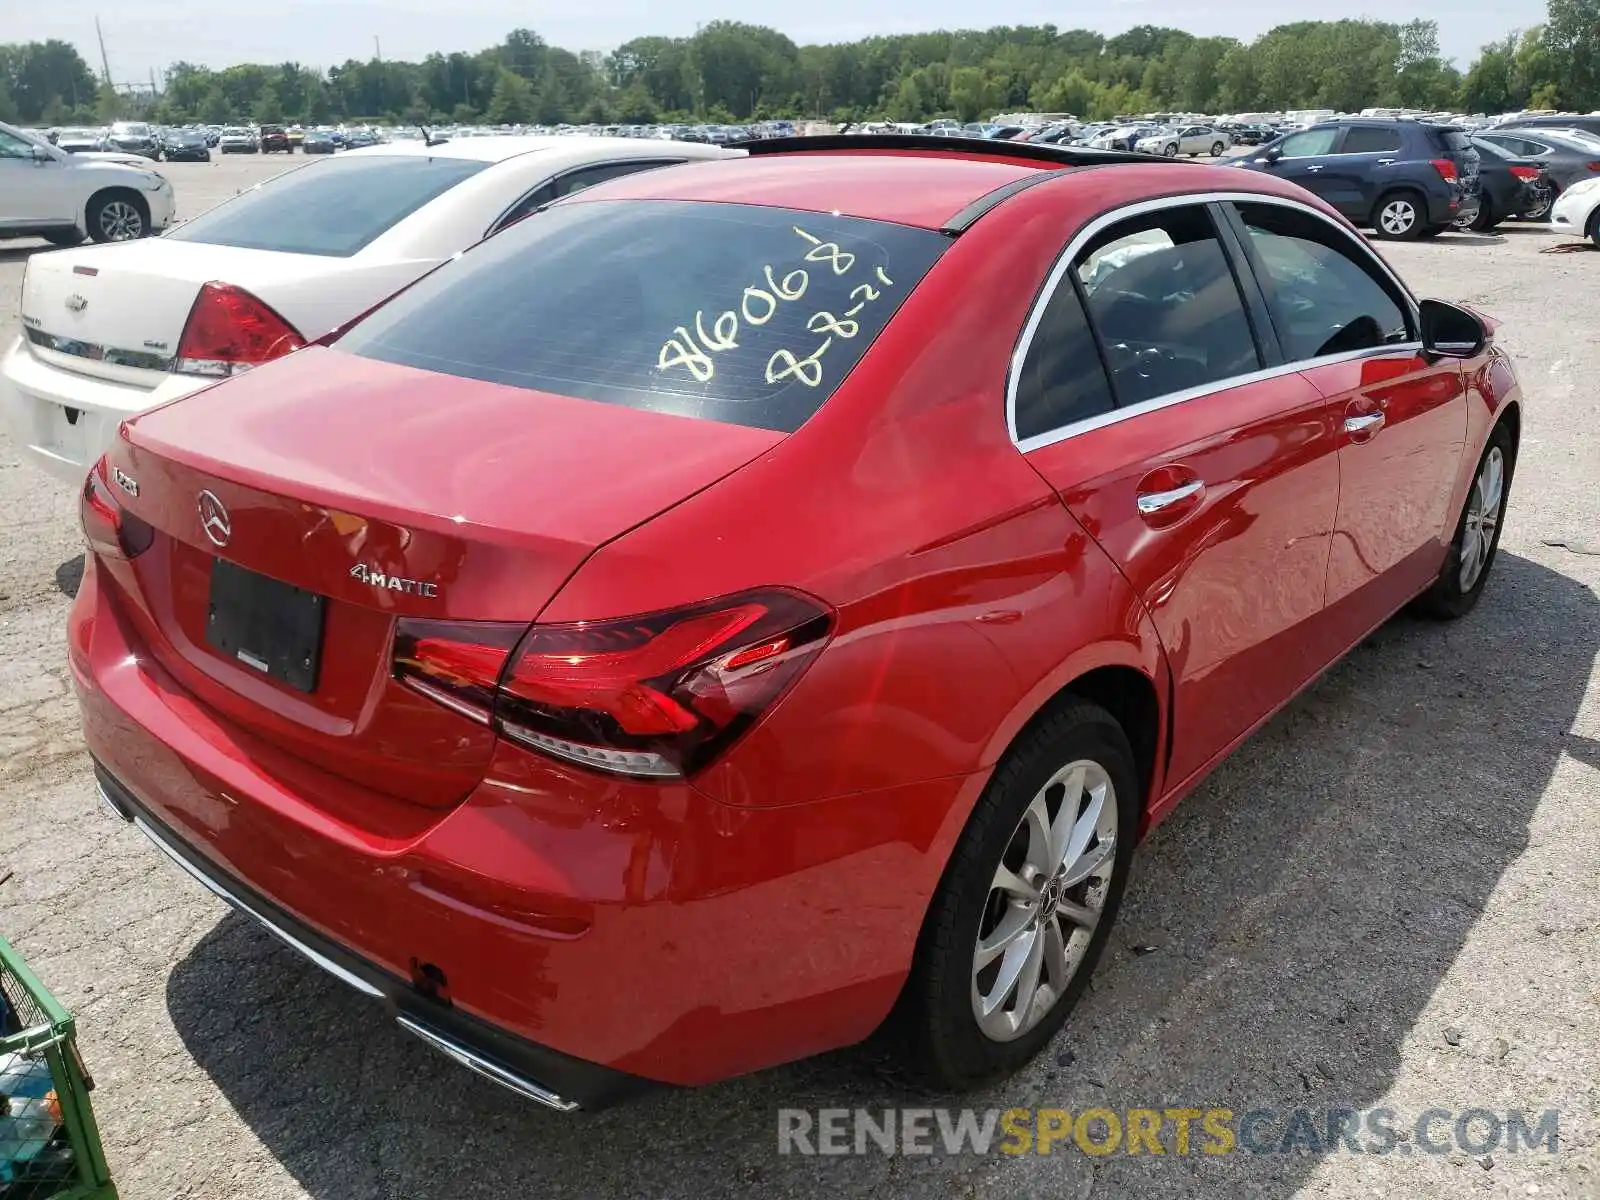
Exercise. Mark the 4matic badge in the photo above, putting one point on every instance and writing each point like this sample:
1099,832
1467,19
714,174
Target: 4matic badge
393,583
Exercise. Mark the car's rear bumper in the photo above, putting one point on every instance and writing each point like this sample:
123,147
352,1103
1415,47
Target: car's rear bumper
63,421
540,1074
636,927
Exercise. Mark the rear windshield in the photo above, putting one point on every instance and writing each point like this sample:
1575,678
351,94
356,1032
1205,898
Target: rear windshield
333,207
735,313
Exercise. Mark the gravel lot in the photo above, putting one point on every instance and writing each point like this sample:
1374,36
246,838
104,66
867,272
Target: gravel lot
1391,896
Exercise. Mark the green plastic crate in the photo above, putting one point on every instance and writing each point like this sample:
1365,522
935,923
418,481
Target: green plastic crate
49,1148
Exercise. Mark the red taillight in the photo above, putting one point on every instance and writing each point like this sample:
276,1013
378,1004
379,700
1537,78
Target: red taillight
656,696
1446,169
1594,166
111,530
229,331
1526,174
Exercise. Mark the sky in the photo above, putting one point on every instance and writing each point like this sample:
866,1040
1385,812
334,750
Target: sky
146,35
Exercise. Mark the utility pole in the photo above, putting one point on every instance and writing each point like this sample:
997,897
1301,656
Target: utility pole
377,48
105,62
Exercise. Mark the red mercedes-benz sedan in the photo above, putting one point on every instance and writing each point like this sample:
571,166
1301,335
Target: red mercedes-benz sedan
748,602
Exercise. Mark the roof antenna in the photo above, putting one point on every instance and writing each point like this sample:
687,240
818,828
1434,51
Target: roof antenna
428,139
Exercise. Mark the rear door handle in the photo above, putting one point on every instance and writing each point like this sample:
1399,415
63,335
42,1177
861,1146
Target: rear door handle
1314,168
1366,423
1386,162
1154,502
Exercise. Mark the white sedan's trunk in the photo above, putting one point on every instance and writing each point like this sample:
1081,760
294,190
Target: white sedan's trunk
118,312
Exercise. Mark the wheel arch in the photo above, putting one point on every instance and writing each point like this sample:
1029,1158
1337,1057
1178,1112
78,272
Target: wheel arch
107,192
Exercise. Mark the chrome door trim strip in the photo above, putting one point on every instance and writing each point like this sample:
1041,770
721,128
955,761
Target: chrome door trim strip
1101,420
1084,235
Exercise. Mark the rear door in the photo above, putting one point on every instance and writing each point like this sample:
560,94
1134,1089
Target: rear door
1402,420
1363,169
1212,483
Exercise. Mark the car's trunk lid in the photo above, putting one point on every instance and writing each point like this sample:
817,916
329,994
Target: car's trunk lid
385,492
118,312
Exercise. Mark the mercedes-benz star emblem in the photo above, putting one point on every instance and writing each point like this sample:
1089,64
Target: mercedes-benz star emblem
214,519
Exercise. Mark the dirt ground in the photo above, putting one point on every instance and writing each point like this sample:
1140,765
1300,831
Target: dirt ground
1389,897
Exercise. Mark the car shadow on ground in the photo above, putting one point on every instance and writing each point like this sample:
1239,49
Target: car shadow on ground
1283,932
69,577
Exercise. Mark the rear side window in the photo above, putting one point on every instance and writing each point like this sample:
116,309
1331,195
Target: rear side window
1062,379
1326,294
736,313
1163,300
1454,139
333,208
1368,139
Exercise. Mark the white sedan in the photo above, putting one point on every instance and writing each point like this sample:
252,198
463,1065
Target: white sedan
111,331
46,192
1192,140
1577,211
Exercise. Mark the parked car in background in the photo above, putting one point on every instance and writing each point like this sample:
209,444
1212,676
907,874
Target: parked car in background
1192,140
360,643
267,271
184,145
274,139
79,141
133,137
1508,188
297,135
1568,156
1402,179
1577,211
1123,137
1252,135
63,198
236,139
358,139
317,141
1589,124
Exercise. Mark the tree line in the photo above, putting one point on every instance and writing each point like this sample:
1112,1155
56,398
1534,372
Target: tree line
731,71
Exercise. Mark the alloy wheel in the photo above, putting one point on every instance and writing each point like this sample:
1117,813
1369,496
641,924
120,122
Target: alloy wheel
1484,506
1398,216
120,221
1045,900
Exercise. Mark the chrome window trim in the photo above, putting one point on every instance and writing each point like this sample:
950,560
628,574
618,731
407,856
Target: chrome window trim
1104,220
1156,404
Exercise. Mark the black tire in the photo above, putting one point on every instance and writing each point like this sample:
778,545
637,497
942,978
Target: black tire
1217,149
1403,202
1594,227
1484,221
1540,214
1447,600
1170,150
934,1032
113,212
64,238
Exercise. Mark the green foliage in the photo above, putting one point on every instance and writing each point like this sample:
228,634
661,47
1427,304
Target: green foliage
730,70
